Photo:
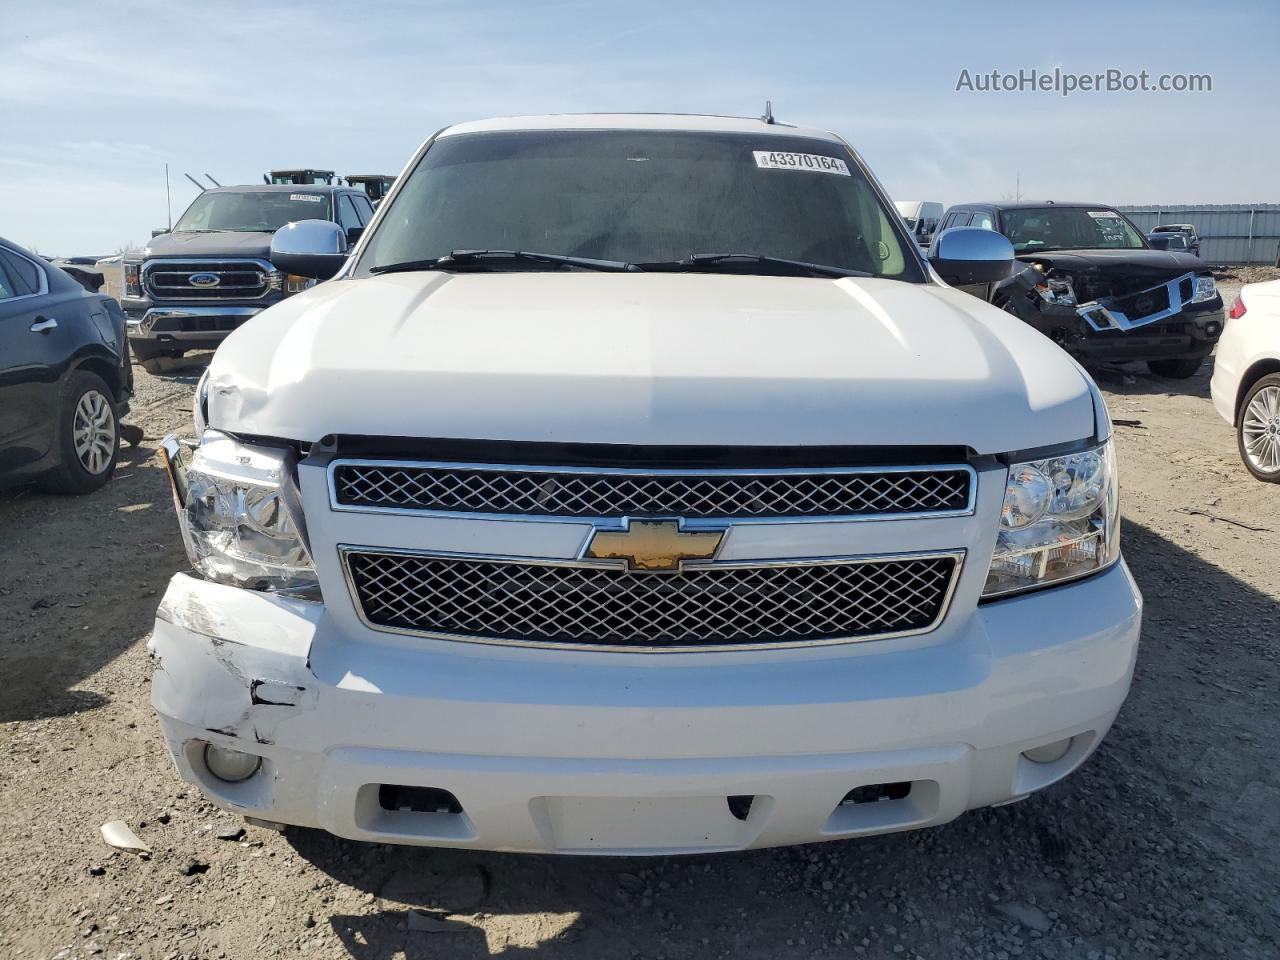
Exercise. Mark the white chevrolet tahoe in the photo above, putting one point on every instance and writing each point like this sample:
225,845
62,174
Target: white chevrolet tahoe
635,486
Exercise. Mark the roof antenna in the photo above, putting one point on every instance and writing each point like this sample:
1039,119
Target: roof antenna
768,112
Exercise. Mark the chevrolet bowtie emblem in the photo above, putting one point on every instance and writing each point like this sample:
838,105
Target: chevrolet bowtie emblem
654,545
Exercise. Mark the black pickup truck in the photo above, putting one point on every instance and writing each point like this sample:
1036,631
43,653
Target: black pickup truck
195,284
1086,277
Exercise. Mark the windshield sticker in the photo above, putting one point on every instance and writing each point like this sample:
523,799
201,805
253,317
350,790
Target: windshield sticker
1104,215
773,160
309,197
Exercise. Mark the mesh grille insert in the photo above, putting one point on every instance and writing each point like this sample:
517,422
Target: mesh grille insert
535,493
699,606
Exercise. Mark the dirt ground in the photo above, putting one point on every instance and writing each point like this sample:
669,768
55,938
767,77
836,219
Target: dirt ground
1165,844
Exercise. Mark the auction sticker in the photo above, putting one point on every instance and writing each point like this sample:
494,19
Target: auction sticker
309,197
774,160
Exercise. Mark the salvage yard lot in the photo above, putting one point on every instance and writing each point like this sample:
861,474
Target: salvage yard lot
1164,844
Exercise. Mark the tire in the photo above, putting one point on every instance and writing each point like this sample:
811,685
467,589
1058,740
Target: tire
88,436
1180,369
1258,429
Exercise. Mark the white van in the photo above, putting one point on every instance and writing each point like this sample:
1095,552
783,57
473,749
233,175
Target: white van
922,218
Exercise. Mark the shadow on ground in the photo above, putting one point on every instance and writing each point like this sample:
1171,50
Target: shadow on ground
80,579
1135,379
185,369
1164,839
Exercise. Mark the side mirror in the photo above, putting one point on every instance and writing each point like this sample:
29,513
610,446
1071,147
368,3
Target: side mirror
159,231
309,248
963,255
353,234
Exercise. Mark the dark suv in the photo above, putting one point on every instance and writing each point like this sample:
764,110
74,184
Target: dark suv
1087,278
194,285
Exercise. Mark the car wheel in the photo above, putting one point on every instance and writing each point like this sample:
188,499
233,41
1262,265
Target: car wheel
1179,369
1258,429
88,436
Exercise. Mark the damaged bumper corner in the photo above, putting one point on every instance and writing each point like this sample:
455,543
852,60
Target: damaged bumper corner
231,670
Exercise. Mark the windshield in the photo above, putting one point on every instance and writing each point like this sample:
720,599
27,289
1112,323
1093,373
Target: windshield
1068,228
641,197
254,211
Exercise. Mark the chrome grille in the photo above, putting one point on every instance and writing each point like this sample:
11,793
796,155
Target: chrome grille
237,279
700,607
561,492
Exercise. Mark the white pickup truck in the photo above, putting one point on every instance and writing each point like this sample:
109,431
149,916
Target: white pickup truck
635,486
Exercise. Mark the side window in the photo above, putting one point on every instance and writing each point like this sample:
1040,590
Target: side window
954,219
982,219
347,218
20,274
7,286
364,208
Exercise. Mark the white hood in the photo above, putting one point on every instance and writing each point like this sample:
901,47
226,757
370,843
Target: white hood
648,359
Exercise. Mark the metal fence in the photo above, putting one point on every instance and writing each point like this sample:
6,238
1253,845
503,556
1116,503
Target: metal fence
1234,233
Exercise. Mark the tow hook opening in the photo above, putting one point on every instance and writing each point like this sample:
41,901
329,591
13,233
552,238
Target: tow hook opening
404,799
893,804
412,813
875,792
740,805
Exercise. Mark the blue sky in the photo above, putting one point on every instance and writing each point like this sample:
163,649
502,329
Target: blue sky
95,98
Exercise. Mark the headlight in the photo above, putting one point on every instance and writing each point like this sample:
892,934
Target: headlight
289,283
1060,521
296,284
236,515
133,280
1206,289
1057,291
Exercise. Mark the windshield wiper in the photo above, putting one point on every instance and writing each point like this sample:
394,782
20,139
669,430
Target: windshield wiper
466,258
729,261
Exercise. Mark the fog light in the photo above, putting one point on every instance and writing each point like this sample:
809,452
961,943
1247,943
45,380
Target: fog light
1049,753
1212,329
230,765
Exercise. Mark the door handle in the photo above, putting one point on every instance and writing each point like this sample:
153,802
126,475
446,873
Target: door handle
43,325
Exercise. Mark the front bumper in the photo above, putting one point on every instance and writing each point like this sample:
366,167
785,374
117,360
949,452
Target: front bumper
188,326
1189,333
629,753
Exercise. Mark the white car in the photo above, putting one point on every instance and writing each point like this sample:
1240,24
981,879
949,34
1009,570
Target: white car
636,487
1246,377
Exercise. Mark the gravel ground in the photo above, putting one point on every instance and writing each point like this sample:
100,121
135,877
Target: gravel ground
1163,845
